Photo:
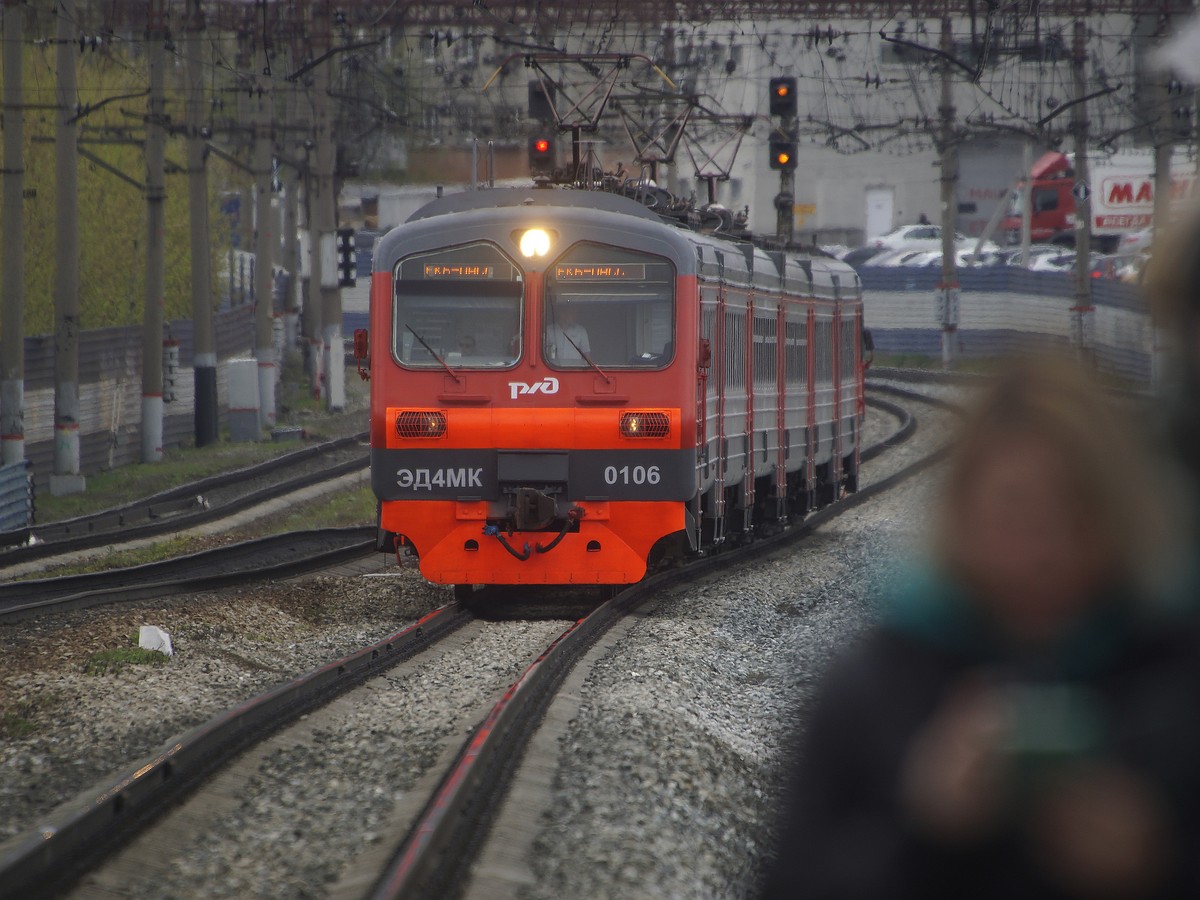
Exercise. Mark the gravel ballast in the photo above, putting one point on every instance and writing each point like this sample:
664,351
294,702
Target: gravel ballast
669,779
64,729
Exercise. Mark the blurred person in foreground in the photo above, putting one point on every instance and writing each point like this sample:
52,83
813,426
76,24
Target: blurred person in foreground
1024,719
1172,285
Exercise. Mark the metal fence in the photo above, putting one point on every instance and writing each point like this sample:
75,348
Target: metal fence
1007,310
16,496
110,390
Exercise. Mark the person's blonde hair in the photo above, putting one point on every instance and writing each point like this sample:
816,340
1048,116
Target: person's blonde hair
1112,470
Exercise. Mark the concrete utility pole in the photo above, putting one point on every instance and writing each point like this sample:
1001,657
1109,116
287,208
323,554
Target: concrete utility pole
290,259
1026,202
1163,136
266,238
1082,311
66,478
12,314
204,344
156,191
948,291
326,221
312,293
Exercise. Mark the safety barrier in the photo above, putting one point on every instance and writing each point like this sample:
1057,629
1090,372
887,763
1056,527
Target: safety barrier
16,496
1007,310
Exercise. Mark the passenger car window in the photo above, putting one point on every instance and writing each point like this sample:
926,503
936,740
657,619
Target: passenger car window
459,305
613,306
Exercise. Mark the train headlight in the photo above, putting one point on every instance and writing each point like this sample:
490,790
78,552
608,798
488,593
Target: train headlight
534,242
418,423
645,424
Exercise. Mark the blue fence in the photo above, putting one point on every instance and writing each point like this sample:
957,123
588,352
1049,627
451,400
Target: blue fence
1007,310
16,496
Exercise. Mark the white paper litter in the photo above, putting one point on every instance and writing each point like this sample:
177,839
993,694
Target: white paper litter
151,637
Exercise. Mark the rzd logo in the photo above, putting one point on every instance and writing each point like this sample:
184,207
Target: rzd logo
548,385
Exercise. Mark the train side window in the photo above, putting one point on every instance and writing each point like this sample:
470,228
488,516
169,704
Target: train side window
611,306
458,306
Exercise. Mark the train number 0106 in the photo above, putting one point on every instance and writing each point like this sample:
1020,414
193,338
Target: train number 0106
632,475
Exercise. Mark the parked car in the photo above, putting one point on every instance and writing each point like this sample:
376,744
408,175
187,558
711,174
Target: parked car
924,237
1135,241
1035,251
861,255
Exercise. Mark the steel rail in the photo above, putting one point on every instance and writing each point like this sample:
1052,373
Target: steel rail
105,817
175,508
435,858
110,814
275,556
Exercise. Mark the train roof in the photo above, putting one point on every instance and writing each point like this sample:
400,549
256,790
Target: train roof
499,198
603,216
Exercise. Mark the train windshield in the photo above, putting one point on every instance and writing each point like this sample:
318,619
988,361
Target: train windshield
458,307
609,307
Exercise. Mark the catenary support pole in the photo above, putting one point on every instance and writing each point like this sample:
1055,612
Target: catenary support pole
312,292
1164,148
265,240
152,315
1082,311
66,478
948,150
326,218
290,249
12,314
1026,201
204,347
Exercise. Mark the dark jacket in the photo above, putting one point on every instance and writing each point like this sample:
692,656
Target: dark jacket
844,832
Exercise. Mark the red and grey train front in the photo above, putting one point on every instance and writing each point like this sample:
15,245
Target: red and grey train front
529,412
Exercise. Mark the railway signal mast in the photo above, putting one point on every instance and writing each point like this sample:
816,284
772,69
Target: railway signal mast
783,148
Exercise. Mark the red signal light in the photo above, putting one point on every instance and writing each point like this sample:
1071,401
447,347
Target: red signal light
541,145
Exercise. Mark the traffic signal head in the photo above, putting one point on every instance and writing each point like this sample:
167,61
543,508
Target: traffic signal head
783,155
347,262
541,155
783,96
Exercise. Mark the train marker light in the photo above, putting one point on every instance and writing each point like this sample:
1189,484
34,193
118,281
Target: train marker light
648,424
412,423
534,242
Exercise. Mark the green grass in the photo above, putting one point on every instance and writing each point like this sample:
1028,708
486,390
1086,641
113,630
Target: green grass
341,510
109,662
127,483
15,725
918,361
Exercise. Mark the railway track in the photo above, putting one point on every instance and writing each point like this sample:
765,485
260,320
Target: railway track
277,556
455,819
188,505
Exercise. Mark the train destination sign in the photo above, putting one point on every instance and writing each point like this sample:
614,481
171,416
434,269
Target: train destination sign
600,272
458,271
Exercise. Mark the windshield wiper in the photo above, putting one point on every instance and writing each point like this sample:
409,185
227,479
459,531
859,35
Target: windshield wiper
445,365
591,362
583,353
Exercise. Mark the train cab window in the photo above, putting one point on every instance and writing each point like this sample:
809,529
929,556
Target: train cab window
458,306
610,306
